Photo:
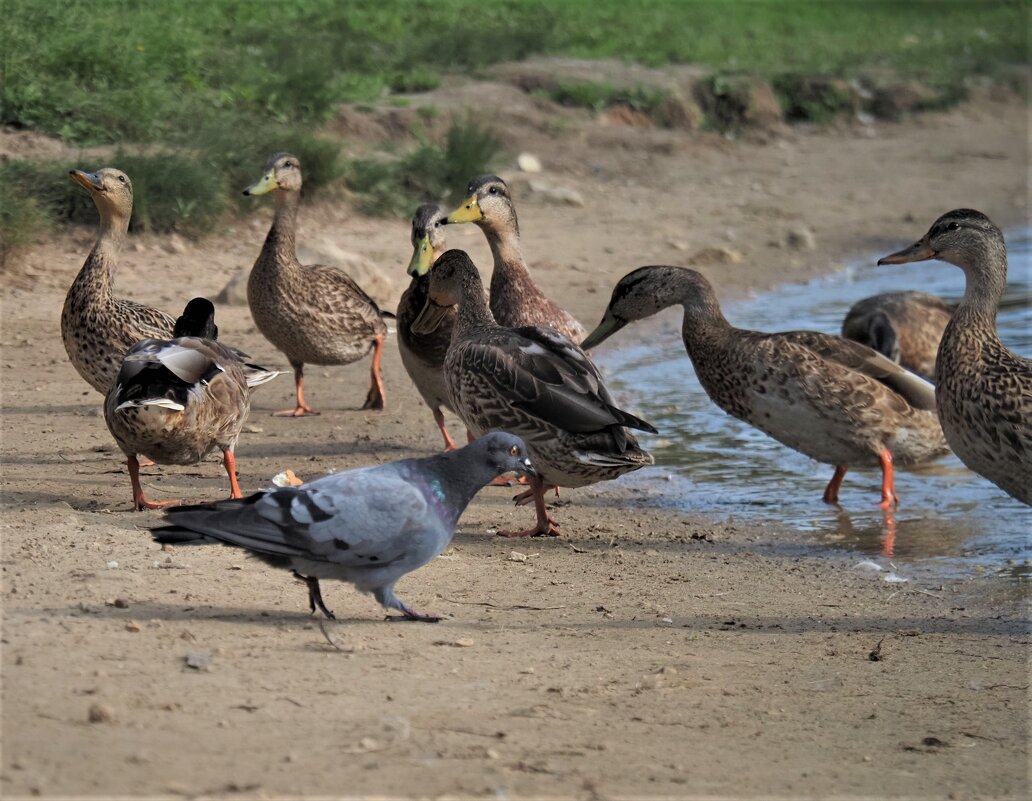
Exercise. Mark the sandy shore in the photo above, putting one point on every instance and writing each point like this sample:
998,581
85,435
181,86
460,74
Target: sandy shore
643,654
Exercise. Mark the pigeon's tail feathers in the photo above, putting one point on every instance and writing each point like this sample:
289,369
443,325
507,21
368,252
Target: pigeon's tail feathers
175,535
244,523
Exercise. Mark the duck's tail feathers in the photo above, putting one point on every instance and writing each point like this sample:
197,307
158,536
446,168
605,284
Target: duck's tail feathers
164,403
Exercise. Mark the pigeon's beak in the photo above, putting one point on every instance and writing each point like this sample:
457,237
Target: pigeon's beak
527,468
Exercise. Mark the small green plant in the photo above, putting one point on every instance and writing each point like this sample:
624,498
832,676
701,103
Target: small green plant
600,96
393,185
23,221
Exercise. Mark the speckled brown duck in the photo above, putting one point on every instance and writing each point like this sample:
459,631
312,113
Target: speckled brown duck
423,354
983,391
176,400
834,400
515,299
531,381
98,328
905,326
313,313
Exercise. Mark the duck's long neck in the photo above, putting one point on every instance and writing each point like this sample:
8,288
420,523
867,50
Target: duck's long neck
986,274
280,245
474,313
509,265
704,325
97,275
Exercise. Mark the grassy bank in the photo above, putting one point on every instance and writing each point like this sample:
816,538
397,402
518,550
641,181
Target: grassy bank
222,83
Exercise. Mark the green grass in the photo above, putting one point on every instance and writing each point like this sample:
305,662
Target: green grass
396,185
112,70
218,85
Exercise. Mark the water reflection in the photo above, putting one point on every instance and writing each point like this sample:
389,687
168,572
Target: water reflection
949,521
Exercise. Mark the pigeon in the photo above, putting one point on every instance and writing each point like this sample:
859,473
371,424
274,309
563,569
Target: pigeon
368,526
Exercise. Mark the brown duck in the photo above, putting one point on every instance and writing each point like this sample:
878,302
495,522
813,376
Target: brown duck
836,401
177,400
533,382
98,328
515,299
314,314
905,326
983,391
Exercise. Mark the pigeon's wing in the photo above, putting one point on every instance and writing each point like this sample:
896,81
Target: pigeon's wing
357,518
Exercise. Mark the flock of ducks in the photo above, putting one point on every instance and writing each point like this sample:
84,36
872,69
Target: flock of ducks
511,359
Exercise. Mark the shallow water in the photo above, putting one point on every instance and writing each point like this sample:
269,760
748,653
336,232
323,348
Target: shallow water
949,522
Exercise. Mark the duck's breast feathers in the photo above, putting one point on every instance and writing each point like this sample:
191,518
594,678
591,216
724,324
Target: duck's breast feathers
860,359
541,372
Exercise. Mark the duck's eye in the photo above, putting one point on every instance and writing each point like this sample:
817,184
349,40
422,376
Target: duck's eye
493,190
121,178
514,450
953,226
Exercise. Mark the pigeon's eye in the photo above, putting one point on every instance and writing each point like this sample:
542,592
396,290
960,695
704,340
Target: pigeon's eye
514,450
953,226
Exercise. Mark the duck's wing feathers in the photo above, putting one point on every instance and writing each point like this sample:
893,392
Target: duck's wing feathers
917,392
542,372
144,321
362,518
337,286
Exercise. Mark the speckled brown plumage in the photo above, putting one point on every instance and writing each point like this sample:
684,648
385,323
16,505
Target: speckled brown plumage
515,299
983,390
834,400
314,314
904,326
423,354
98,328
176,400
534,382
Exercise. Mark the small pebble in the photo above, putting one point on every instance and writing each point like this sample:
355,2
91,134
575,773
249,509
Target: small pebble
101,713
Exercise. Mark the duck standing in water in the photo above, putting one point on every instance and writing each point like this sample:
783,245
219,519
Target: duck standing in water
314,314
983,391
834,400
905,326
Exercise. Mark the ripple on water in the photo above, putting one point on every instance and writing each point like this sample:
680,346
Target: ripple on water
950,521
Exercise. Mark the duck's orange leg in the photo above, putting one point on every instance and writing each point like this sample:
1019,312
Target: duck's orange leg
302,409
139,501
449,443
889,543
888,488
229,462
546,526
376,396
831,491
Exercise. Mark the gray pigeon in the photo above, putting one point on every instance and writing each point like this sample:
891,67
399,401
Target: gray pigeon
368,527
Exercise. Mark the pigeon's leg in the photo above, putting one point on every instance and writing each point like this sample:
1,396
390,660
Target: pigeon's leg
449,443
376,396
889,498
315,600
831,491
229,462
546,526
387,599
302,409
139,501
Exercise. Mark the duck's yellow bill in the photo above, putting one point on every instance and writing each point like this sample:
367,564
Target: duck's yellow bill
422,257
264,184
469,211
